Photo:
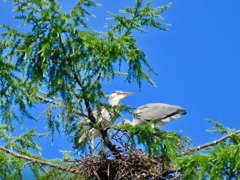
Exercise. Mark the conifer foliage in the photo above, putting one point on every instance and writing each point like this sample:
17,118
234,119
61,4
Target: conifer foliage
57,61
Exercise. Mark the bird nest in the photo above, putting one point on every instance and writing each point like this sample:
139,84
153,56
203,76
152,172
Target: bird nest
133,164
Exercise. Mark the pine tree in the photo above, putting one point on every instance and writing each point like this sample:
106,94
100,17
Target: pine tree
58,60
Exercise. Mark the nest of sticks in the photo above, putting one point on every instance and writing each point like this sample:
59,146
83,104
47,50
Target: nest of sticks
133,164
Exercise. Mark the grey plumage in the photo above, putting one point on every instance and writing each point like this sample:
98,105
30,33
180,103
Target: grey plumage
158,113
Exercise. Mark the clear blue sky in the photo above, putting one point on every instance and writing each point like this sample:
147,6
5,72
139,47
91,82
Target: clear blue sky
197,62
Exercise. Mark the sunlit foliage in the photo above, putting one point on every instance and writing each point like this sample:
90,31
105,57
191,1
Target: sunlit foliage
57,60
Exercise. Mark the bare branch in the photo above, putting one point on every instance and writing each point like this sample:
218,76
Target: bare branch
191,150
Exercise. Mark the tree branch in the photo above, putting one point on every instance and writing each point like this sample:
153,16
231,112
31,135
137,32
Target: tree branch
60,105
90,115
191,150
103,132
34,160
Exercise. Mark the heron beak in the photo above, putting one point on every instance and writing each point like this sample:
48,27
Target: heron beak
128,93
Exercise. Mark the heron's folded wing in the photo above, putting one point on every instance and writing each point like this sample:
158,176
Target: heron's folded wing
157,111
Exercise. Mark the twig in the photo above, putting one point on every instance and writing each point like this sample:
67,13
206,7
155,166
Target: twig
42,169
96,173
44,93
60,105
66,173
25,164
209,144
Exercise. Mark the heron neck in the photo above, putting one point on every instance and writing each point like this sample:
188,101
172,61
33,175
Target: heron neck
113,102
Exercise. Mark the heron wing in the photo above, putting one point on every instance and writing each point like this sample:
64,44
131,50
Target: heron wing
85,131
104,118
157,111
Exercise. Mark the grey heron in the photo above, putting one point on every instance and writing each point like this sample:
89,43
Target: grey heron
104,118
157,113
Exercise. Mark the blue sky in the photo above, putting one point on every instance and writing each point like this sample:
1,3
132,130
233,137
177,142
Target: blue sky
197,64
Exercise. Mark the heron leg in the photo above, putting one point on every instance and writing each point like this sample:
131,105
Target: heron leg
92,146
101,150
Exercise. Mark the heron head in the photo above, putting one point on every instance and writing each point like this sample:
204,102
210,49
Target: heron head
116,96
